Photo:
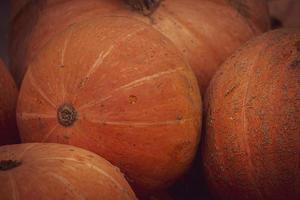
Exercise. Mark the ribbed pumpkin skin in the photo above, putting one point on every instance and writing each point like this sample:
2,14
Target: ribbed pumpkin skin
206,32
252,142
8,101
56,171
137,102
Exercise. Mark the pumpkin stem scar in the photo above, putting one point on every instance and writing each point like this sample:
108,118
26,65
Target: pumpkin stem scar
66,115
147,7
9,164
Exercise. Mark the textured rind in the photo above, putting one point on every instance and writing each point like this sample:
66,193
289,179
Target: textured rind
8,101
56,171
252,142
137,102
206,32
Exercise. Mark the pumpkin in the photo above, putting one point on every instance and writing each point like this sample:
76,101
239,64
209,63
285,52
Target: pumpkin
8,101
116,87
252,143
55,171
206,32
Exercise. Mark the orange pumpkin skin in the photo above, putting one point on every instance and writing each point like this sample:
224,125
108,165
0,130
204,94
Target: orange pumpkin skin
130,98
206,32
8,101
252,142
67,173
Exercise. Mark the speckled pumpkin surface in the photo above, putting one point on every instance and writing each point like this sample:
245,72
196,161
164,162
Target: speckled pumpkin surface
252,142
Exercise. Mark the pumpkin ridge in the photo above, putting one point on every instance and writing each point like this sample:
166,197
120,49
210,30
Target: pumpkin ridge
27,116
101,57
91,166
245,130
132,84
50,133
141,124
15,192
39,90
69,186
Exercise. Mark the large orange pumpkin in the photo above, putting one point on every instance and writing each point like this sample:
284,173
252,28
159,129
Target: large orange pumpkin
205,31
119,88
252,142
55,171
8,101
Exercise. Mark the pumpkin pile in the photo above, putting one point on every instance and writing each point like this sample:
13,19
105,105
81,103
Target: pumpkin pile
110,101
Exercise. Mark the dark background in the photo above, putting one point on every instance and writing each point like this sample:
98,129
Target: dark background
4,27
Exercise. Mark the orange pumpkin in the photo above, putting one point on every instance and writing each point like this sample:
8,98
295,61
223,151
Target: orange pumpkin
119,88
205,31
56,171
252,142
8,101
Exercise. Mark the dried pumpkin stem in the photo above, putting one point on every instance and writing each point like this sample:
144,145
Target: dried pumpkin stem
66,115
9,164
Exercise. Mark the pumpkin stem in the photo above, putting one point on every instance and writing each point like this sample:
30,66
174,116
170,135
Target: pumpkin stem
66,115
147,7
9,164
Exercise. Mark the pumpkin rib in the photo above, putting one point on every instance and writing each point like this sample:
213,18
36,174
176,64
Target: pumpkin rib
27,116
89,165
50,133
70,187
132,84
245,127
36,86
141,124
15,193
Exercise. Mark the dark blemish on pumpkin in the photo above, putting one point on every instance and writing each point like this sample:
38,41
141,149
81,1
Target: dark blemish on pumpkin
82,82
66,137
230,90
295,63
9,164
132,99
66,115
179,117
61,66
71,150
